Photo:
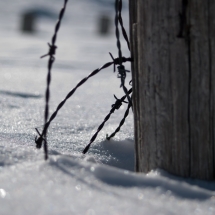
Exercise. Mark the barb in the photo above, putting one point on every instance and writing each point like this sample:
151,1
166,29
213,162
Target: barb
115,106
114,65
122,74
39,140
52,50
51,53
121,123
116,61
122,26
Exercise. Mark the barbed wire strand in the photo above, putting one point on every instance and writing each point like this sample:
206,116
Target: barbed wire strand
121,68
126,39
114,107
122,26
39,140
122,75
51,53
121,122
117,33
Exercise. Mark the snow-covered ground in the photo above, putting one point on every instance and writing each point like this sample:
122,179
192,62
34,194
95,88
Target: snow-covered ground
103,181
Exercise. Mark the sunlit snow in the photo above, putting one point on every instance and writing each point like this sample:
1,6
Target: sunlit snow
102,181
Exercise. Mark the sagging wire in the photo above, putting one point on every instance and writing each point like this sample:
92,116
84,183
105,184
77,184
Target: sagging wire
121,74
123,120
42,139
121,123
115,106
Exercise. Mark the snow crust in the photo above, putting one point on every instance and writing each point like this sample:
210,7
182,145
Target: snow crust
103,181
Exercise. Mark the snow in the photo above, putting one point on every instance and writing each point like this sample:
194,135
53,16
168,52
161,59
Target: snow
102,181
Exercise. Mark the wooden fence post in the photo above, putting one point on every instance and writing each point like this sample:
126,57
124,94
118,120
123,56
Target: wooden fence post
173,46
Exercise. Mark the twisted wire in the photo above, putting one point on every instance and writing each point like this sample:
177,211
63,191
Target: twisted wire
41,136
118,8
114,107
121,123
122,26
52,48
122,75
57,27
117,32
51,53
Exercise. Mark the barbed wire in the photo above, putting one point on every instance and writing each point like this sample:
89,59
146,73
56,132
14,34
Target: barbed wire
122,75
118,43
121,23
115,106
121,123
41,138
121,68
51,53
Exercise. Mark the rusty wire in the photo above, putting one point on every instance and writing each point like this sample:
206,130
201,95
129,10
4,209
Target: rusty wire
52,48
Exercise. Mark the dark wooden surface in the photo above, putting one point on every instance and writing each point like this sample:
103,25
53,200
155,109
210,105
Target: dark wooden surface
173,80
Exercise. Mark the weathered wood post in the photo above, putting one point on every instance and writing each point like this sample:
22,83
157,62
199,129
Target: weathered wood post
173,46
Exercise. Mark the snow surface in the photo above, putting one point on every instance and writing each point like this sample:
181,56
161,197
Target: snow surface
103,181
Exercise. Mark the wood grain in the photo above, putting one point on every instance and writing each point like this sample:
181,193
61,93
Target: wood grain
173,80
